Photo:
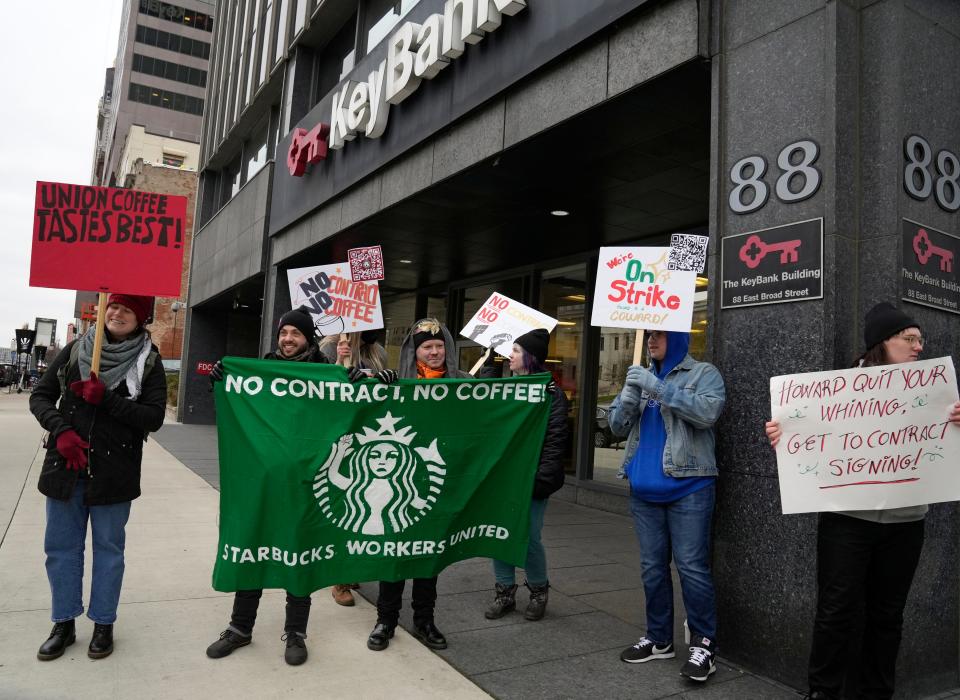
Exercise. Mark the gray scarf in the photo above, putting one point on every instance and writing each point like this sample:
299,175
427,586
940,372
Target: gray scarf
119,361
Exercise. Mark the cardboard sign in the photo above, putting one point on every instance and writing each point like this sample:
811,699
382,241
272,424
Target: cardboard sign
366,264
107,240
867,438
336,302
501,320
635,289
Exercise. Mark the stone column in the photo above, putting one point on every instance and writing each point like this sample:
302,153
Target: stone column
855,78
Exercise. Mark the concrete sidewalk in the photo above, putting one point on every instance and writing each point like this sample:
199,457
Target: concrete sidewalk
168,611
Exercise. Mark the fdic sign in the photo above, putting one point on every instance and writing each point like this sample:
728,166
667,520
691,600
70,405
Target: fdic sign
415,52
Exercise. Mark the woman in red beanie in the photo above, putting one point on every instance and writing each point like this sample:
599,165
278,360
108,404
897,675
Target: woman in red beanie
91,472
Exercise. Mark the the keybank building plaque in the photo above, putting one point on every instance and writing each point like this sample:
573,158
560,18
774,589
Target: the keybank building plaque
929,276
773,265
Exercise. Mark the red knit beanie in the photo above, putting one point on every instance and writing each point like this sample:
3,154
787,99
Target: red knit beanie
142,307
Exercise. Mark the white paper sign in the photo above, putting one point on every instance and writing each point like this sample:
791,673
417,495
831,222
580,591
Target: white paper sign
337,303
867,438
501,320
635,289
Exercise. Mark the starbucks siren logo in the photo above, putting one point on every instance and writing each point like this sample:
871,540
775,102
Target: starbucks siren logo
371,489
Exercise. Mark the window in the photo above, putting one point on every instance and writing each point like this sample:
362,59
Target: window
169,70
173,42
257,149
385,15
177,14
301,15
330,66
173,160
265,27
616,342
281,44
165,98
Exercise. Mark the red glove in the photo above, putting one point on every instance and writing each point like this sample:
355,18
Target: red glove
90,390
72,447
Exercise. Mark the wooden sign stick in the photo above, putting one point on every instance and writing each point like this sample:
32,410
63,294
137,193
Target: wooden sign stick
98,338
638,346
483,358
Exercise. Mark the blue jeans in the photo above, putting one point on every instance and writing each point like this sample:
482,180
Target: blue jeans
680,528
536,566
64,542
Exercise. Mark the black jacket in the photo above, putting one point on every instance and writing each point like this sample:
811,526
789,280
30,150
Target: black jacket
116,430
550,475
550,472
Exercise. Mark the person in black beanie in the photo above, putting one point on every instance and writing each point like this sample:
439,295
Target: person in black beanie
529,356
296,342
866,559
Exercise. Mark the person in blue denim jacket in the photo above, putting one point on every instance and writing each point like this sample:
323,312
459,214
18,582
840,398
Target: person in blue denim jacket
669,410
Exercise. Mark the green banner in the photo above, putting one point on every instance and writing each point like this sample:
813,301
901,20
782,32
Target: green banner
323,481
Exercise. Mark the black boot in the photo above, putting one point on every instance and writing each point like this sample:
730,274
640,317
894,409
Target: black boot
506,601
101,645
538,601
296,652
430,635
380,637
61,636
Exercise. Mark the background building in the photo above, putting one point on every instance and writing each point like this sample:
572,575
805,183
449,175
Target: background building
636,119
148,128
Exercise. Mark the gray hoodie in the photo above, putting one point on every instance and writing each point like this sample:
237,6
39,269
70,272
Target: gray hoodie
408,356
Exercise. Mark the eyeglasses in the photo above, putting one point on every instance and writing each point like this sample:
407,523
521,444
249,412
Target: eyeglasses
656,335
913,339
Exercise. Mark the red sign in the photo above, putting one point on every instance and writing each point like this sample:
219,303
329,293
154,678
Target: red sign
204,367
88,312
102,239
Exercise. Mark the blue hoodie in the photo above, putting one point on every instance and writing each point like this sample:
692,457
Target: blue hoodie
645,471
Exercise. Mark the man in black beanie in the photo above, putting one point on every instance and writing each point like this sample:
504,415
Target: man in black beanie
296,342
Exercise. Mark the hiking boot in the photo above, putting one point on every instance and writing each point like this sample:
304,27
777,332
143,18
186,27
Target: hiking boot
647,650
296,652
430,635
61,636
101,644
505,602
700,664
380,637
341,593
228,642
538,602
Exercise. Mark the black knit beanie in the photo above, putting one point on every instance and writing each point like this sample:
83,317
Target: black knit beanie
301,320
536,342
427,329
884,321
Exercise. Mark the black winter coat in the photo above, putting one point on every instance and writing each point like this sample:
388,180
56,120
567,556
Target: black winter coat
550,475
116,430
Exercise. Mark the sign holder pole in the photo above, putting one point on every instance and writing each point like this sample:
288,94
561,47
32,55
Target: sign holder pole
638,346
483,358
98,337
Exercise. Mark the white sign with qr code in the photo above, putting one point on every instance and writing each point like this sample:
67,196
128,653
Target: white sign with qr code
688,252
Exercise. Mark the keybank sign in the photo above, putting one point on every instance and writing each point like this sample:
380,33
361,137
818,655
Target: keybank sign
415,52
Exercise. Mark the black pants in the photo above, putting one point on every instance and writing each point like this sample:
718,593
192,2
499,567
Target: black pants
391,599
245,604
862,568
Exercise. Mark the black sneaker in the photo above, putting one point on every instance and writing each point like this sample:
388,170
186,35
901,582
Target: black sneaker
229,640
700,664
647,650
296,652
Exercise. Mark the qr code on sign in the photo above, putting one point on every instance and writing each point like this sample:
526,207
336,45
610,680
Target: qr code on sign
366,264
687,252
